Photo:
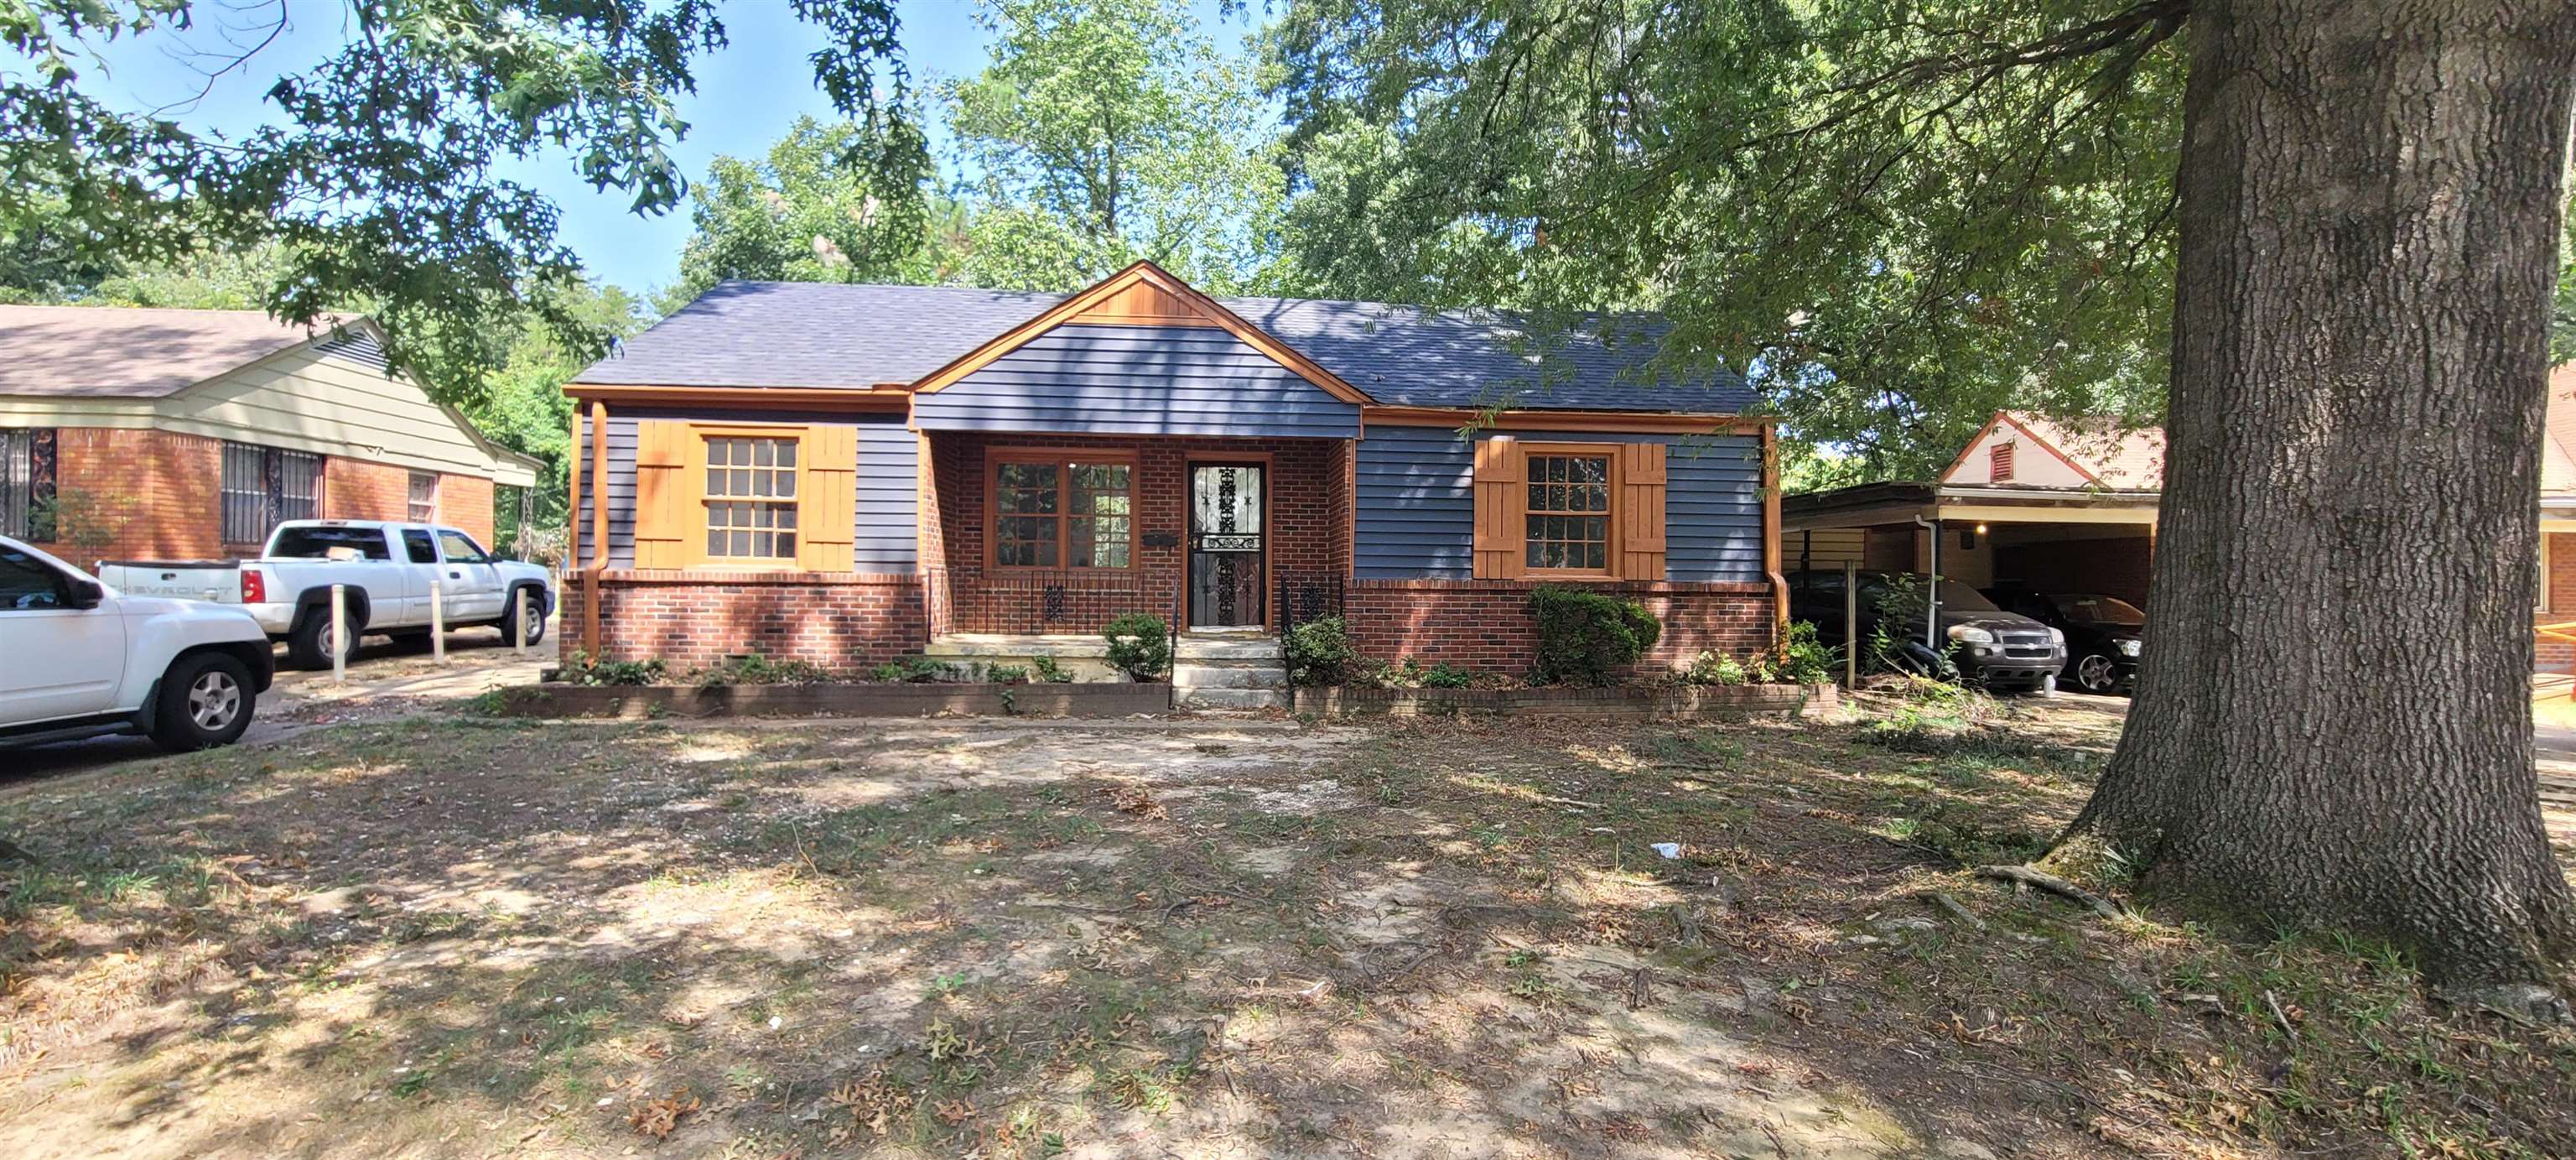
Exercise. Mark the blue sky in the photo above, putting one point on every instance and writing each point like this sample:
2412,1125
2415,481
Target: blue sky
747,95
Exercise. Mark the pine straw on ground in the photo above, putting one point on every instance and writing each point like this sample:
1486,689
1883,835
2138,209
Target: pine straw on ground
1028,939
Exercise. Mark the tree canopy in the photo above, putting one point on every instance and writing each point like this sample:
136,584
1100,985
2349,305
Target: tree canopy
379,178
800,214
1894,219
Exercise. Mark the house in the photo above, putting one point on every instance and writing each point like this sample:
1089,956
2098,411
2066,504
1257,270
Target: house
187,434
2067,507
848,473
2554,611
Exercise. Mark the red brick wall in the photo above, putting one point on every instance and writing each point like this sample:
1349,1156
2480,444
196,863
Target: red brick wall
354,489
2558,656
842,622
153,493
1307,525
1484,625
465,504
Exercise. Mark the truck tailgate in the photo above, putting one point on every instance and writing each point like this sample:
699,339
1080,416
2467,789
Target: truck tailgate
214,581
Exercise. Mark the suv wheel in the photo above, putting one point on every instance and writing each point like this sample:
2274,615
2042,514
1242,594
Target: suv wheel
205,700
2096,673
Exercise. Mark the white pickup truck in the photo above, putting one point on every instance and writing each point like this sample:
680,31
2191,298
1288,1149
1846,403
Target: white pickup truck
385,570
86,659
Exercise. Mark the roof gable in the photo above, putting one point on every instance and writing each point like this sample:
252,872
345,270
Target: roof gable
2089,453
1143,294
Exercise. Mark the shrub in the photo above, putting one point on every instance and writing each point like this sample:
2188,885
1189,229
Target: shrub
584,669
1007,674
1141,644
1050,671
1712,667
1320,653
755,669
1584,636
1443,675
908,671
1802,659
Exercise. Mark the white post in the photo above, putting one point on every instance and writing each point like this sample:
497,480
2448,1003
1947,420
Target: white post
339,634
437,625
519,623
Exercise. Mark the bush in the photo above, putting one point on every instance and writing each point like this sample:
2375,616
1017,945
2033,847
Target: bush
1049,671
756,669
908,671
1007,674
1320,653
1584,636
1712,667
1141,644
1443,675
584,669
1802,659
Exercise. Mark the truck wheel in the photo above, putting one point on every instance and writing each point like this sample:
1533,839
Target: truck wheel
510,618
205,700
308,647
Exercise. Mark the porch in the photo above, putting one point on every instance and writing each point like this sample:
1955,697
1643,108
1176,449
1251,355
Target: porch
1044,539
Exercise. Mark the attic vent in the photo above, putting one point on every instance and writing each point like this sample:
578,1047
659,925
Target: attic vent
356,346
1999,462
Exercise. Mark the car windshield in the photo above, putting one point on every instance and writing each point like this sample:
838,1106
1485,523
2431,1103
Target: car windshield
1958,597
316,543
2097,609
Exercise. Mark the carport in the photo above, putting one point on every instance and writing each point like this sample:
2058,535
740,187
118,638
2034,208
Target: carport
2056,541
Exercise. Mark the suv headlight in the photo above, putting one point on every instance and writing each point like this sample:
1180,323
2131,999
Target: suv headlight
2129,647
2057,637
1970,634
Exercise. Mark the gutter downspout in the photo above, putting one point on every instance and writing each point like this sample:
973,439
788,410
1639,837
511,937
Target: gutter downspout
1932,591
598,527
1771,536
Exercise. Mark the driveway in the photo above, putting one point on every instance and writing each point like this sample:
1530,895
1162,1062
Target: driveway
385,681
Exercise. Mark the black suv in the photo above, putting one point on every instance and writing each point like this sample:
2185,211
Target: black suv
2103,633
1990,646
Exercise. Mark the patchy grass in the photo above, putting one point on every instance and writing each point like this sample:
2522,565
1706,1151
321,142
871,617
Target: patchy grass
467,937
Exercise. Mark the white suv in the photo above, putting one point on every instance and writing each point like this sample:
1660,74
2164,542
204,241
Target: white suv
78,658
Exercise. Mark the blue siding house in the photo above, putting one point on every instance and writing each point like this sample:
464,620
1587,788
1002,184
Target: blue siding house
847,473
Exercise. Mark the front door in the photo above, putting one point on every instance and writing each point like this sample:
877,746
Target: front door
1226,545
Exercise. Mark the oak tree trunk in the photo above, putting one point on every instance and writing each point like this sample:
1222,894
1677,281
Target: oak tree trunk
2333,726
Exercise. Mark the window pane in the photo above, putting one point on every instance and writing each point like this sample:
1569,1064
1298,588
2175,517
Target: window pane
715,542
787,453
786,516
764,452
786,544
741,544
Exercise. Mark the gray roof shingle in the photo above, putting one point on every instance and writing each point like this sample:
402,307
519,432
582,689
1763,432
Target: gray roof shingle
812,334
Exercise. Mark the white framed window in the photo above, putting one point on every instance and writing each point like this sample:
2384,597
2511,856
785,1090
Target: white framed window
423,508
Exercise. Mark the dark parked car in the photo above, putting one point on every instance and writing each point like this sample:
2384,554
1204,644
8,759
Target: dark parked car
2103,633
1990,646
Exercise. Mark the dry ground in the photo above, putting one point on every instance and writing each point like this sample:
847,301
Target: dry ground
469,938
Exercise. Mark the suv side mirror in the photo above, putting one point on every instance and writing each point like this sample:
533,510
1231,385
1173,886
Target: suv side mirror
87,593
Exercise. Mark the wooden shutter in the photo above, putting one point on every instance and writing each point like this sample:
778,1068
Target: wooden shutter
825,511
1500,502
670,526
1641,511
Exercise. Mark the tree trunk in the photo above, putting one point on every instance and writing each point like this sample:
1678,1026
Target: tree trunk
2333,727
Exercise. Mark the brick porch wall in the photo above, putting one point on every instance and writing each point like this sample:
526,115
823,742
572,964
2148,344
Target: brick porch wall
2551,655
1484,625
1307,522
153,494
689,621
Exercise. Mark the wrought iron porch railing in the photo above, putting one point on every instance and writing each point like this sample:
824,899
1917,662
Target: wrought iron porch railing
1304,597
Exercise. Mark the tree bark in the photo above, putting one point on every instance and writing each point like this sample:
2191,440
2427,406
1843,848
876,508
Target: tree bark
2333,725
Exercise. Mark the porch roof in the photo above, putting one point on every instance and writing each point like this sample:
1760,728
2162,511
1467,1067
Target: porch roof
795,334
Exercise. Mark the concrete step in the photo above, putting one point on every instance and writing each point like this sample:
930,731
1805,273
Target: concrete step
1229,675
1229,698
1220,648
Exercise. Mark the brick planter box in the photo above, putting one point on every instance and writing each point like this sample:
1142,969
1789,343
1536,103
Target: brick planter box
1614,703
637,702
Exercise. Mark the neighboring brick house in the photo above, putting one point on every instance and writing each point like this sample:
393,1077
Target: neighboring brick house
2555,607
188,434
847,474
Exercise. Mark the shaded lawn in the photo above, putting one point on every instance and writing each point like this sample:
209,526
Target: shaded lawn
464,937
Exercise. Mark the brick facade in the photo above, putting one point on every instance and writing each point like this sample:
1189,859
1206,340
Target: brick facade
842,622
158,495
149,495
1485,626
2560,580
1308,529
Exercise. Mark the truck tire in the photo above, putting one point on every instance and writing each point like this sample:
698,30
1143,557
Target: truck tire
519,598
307,647
205,700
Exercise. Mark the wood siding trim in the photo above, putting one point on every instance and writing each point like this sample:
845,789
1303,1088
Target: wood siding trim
1648,422
1771,536
1206,309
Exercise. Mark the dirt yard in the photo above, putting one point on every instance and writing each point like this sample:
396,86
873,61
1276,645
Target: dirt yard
453,937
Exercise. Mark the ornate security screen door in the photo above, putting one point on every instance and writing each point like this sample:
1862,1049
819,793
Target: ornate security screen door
1226,584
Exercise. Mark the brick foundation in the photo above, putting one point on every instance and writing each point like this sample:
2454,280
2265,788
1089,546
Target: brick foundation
688,620
1484,625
